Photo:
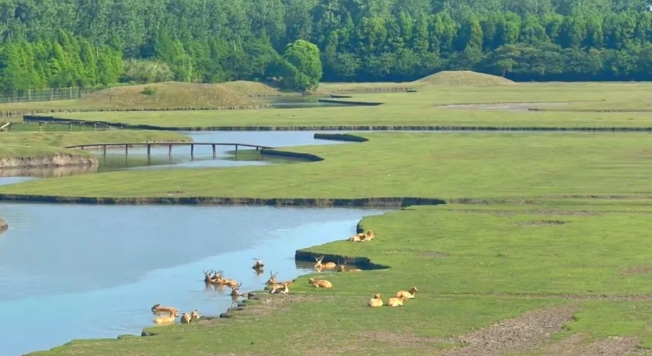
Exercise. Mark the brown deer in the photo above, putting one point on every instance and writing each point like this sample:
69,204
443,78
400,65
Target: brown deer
328,265
376,301
283,289
258,265
320,283
342,267
194,315
356,238
407,294
395,302
272,278
157,309
207,276
369,235
235,290
185,318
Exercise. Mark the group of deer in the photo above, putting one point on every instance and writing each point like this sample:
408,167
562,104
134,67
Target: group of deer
173,313
363,236
395,301
216,278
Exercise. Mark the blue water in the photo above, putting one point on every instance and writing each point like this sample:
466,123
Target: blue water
74,271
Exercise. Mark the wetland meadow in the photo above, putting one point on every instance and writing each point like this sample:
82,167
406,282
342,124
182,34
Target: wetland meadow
520,211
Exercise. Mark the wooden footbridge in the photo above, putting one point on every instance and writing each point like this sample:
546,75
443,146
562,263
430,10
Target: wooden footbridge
149,145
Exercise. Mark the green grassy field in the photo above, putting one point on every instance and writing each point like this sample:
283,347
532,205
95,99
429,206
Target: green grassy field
423,108
434,165
36,144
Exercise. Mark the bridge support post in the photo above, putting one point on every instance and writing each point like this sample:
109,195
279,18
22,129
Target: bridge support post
192,150
104,150
236,150
149,150
170,150
126,150
213,151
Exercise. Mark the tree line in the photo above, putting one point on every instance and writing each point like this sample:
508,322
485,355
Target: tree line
59,43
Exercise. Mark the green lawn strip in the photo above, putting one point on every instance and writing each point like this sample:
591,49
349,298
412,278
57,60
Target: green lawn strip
443,165
421,109
31,144
349,118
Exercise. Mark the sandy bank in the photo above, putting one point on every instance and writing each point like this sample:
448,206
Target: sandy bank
56,160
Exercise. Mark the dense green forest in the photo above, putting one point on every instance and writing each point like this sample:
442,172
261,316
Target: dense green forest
58,43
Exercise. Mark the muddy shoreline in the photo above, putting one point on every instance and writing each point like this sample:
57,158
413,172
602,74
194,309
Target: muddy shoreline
54,160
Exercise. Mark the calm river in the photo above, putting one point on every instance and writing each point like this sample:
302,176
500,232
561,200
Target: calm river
73,271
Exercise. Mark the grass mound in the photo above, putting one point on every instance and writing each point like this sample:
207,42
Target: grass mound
167,95
250,88
463,77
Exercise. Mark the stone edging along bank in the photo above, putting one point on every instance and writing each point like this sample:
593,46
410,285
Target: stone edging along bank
51,119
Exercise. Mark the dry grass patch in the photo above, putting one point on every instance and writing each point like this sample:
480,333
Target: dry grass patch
464,77
636,270
168,95
576,345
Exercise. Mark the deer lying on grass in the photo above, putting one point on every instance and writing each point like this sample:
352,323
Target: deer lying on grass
363,236
283,289
164,320
320,283
395,302
376,301
194,315
185,318
157,309
235,290
319,265
342,266
407,294
258,265
369,235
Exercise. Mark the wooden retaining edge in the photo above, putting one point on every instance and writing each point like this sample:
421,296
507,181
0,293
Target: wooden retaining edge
362,262
379,202
352,103
36,118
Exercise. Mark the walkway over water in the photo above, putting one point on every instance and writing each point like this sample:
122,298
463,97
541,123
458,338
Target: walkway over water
169,144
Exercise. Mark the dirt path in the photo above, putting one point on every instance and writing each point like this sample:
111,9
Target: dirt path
526,332
613,346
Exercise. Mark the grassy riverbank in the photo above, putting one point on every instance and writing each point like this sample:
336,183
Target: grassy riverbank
577,271
428,165
563,105
37,144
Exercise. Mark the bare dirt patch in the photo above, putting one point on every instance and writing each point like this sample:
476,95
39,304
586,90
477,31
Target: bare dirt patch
635,270
540,223
501,106
613,346
528,331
